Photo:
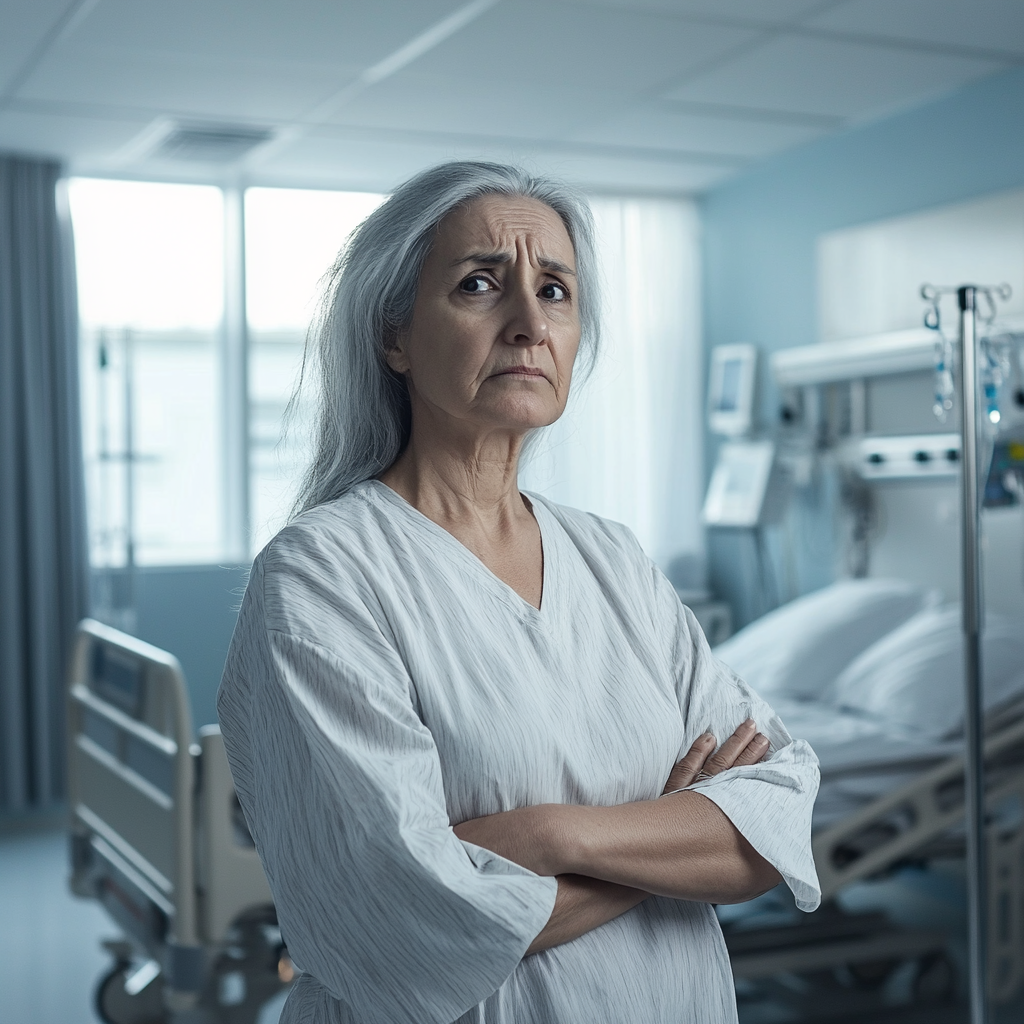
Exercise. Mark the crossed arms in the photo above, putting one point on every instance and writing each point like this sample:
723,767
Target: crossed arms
609,859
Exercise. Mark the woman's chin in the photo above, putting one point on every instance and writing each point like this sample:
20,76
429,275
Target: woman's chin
521,418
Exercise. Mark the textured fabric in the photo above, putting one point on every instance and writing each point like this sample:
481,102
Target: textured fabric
383,685
43,559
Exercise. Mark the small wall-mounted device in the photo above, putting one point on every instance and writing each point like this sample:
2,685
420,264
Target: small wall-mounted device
731,389
747,488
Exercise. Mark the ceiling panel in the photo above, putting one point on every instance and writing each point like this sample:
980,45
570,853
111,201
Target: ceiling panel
24,24
830,77
763,12
60,135
990,24
304,31
675,130
353,162
437,103
616,93
200,85
568,47
361,163
622,174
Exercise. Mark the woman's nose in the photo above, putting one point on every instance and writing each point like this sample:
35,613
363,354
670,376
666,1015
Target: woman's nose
526,323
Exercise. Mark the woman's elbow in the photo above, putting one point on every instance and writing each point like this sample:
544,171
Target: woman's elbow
754,877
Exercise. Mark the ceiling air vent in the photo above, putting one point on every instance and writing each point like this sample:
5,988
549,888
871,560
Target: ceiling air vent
210,143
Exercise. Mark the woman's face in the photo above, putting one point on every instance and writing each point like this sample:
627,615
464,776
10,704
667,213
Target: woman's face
495,326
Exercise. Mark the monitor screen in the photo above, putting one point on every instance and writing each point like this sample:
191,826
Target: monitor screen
729,392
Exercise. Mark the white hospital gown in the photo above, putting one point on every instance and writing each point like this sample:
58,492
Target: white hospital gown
383,685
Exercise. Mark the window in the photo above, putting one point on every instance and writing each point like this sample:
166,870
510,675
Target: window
157,370
292,237
151,300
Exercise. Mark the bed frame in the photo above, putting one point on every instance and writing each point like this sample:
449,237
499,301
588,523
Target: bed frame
916,822
158,839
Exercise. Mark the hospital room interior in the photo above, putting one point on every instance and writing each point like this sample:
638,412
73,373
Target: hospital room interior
808,408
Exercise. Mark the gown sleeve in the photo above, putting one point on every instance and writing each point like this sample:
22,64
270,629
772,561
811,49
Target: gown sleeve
770,803
341,785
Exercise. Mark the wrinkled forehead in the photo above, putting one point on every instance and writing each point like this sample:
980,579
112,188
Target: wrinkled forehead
504,224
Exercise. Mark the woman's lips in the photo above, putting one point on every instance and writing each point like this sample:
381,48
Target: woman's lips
520,371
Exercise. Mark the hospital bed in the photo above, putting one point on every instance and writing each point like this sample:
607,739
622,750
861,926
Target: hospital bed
868,672
158,838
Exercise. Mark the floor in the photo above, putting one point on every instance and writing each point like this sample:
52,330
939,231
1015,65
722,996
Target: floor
50,953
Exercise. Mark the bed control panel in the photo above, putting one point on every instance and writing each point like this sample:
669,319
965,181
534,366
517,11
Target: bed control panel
904,457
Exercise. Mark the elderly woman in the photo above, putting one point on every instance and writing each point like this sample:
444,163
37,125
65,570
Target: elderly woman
474,732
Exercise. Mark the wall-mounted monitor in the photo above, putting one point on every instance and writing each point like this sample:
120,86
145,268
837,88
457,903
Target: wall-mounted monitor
731,389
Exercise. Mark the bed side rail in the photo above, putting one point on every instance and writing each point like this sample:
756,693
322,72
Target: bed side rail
905,821
130,782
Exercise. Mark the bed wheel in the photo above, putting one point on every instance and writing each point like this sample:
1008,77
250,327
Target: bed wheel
935,980
872,974
115,1006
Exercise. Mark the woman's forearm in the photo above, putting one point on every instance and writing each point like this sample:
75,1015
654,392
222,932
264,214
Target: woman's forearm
680,846
581,905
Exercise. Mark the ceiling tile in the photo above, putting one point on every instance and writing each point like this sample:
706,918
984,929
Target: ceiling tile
420,102
990,24
67,137
573,48
348,162
831,77
360,164
762,12
202,86
696,133
623,174
304,31
25,23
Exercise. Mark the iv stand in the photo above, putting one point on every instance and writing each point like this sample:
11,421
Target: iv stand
971,595
973,615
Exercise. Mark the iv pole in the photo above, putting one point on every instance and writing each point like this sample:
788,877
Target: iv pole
973,622
973,615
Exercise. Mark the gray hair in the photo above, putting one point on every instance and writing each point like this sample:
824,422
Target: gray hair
363,414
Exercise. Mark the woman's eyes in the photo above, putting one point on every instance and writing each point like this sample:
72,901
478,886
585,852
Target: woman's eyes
554,292
477,284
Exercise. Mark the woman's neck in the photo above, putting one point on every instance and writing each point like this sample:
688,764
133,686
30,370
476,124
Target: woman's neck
471,490
470,484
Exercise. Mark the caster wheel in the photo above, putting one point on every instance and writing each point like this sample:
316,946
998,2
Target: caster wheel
116,1006
935,980
872,975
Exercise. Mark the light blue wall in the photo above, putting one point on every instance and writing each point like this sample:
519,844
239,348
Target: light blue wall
190,610
759,253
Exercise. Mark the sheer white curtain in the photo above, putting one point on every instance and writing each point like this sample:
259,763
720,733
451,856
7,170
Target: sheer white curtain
629,445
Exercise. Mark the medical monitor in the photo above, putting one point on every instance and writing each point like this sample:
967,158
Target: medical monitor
731,389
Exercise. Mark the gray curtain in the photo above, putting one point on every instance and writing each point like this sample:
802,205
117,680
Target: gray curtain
43,556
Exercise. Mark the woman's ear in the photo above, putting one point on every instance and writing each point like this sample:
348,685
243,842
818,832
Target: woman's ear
396,356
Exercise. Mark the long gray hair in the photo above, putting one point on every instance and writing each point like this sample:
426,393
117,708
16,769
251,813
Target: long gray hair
362,418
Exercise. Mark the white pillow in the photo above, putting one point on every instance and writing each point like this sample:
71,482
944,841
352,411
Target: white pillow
798,650
914,677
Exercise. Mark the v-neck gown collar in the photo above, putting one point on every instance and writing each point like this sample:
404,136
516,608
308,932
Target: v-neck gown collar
471,564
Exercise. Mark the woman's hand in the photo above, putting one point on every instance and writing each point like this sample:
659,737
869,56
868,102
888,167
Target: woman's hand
745,746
